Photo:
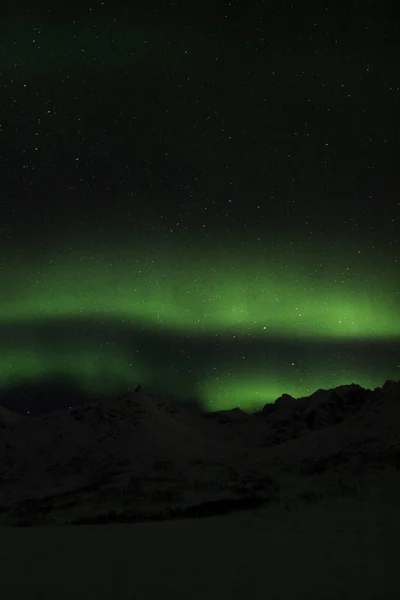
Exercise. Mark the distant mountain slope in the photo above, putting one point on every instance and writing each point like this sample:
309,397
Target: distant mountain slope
290,418
140,450
8,417
101,445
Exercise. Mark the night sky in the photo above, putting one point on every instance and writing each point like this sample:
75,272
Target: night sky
199,196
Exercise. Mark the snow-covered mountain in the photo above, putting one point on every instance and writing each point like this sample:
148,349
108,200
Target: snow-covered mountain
141,455
289,418
9,417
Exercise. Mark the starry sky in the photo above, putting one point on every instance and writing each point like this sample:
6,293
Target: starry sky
199,196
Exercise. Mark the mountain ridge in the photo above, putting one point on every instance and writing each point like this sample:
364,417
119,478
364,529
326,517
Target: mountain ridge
141,454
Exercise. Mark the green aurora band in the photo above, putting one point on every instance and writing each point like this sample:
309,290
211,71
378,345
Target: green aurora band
199,291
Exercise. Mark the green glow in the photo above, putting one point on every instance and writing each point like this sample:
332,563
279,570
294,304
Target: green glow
103,372
179,292
251,391
203,291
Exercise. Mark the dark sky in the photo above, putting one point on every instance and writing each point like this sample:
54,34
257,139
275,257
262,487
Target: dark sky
199,196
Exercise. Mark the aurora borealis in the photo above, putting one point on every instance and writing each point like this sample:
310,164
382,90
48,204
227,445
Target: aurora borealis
170,217
248,337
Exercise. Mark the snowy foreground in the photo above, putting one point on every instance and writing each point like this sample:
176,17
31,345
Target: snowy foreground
348,549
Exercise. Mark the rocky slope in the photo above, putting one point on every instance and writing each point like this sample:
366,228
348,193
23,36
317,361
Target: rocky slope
142,456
